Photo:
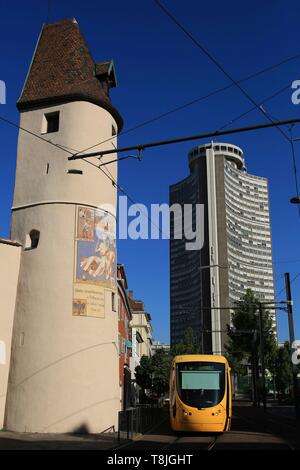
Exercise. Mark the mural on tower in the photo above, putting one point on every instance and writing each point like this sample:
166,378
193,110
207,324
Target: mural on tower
95,260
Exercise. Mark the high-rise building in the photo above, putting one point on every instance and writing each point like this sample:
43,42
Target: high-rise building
237,250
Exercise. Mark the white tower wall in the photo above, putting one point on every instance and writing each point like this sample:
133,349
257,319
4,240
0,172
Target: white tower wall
64,370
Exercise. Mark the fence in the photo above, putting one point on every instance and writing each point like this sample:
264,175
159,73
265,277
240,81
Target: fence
138,420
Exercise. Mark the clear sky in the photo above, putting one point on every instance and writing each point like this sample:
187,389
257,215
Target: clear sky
159,68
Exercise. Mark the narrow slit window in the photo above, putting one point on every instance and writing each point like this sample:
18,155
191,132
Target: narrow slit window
113,301
113,130
74,171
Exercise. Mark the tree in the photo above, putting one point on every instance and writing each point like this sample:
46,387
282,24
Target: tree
143,374
153,373
244,338
283,369
187,345
160,372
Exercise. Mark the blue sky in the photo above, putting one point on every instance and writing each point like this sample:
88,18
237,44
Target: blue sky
159,68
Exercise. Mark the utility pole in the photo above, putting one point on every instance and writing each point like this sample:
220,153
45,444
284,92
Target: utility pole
262,357
292,340
254,366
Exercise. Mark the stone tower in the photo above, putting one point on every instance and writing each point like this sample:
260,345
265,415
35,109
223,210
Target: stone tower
64,366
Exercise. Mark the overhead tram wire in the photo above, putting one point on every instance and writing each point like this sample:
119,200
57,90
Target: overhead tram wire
122,190
160,116
65,149
196,100
189,138
47,141
293,159
109,176
11,123
265,100
77,156
223,127
237,84
61,147
295,166
217,64
284,288
231,121
113,181
54,144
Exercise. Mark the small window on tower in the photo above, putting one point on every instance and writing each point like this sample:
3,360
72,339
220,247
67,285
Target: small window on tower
52,122
32,240
113,130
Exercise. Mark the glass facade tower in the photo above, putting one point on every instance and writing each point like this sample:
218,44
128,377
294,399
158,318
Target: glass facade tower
237,251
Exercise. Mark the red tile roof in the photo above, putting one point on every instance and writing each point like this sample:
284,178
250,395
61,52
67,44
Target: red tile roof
136,305
8,241
63,70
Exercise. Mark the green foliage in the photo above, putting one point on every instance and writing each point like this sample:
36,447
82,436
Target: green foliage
244,343
153,372
143,373
187,345
283,369
244,338
161,370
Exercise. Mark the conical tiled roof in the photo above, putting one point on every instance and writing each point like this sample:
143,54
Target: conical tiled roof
63,70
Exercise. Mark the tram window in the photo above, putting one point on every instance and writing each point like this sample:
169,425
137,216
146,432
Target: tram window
204,380
201,384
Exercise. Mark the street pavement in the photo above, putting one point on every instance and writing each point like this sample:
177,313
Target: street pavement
252,429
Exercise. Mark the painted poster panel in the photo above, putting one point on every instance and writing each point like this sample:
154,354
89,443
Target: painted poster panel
95,261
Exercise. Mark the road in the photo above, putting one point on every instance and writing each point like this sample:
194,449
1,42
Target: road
251,430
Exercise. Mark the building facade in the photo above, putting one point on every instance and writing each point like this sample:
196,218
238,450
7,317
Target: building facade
125,339
158,346
237,250
10,253
64,369
141,328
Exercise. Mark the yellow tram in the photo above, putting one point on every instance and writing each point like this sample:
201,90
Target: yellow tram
200,393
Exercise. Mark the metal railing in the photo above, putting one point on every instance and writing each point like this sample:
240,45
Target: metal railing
138,420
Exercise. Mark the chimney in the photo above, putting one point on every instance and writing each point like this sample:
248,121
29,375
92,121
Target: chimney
131,294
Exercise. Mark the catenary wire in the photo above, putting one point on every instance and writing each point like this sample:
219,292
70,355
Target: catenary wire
229,76
283,289
109,176
265,100
196,100
218,65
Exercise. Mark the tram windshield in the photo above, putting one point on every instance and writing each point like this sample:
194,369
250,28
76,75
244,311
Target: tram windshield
201,384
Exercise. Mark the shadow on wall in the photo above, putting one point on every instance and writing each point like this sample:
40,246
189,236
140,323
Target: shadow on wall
82,429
